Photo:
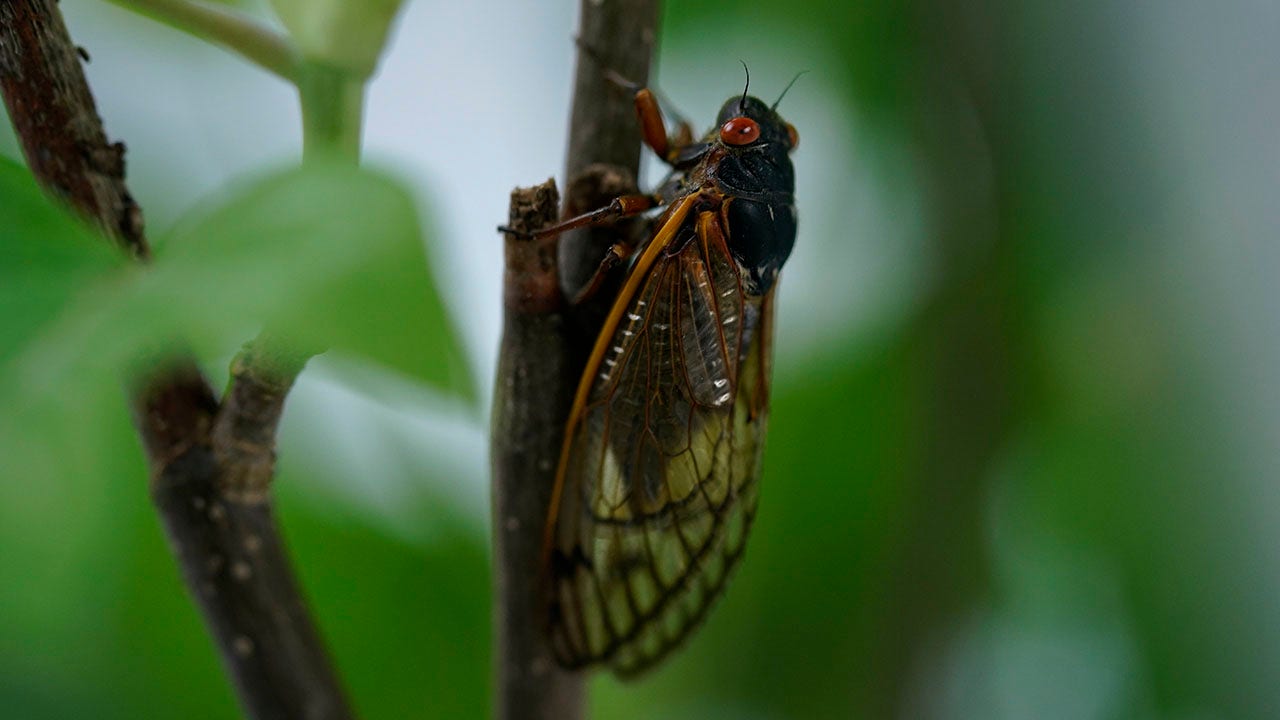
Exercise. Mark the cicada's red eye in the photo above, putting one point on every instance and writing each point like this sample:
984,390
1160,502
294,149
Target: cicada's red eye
793,135
739,131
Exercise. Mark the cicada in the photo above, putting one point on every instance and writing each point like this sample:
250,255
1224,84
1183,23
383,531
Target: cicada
656,486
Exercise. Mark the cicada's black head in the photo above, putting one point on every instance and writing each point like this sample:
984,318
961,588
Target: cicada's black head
758,181
746,121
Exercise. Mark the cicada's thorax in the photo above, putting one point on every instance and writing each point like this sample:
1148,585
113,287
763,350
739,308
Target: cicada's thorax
754,187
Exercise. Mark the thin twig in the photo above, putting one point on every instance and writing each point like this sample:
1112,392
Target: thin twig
210,463
243,435
225,26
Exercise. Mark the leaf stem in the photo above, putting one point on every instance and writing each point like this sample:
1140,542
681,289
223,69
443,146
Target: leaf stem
332,112
232,29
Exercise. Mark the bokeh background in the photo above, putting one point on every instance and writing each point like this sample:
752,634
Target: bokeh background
1022,461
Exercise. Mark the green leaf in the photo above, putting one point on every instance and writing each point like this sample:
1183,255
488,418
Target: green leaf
426,606
325,256
58,443
348,34
46,257
328,257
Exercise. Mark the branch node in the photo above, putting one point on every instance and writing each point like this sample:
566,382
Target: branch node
244,432
532,282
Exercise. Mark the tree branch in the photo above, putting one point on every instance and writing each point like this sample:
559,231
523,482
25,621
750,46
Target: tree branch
210,464
57,123
532,394
542,352
604,137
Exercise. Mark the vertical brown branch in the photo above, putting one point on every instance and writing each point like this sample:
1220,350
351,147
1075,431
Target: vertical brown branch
210,463
619,37
540,358
531,399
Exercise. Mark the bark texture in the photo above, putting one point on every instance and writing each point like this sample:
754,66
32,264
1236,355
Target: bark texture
544,347
532,395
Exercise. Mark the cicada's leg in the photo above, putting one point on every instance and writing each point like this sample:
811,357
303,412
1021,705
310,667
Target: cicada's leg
618,254
654,129
652,126
621,207
683,136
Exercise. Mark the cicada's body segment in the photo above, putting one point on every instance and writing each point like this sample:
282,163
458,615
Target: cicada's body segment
657,481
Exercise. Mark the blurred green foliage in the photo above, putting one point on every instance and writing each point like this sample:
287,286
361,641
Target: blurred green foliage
1031,496
85,610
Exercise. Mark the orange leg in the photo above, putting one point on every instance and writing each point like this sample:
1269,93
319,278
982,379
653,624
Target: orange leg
617,255
652,127
621,207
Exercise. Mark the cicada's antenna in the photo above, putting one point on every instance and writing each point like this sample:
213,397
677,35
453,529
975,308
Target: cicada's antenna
785,89
742,104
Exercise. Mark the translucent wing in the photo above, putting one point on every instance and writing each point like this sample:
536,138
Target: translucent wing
657,484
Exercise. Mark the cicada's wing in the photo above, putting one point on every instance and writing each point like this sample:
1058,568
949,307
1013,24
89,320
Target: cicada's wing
657,485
